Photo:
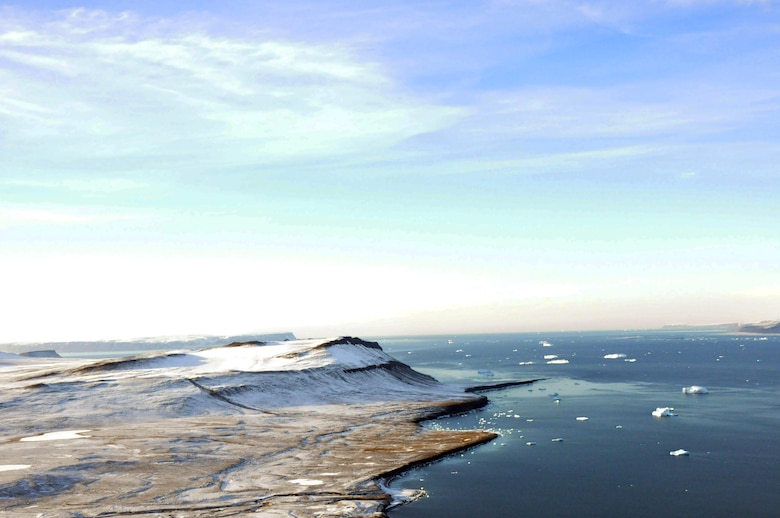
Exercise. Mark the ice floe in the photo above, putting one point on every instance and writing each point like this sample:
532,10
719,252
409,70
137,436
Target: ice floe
558,362
614,356
695,389
664,412
679,453
582,418
550,356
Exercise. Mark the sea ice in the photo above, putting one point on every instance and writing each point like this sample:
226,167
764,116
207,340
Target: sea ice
558,362
680,452
550,356
614,356
695,389
557,439
583,418
663,412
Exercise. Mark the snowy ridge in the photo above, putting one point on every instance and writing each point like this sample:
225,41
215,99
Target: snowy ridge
340,412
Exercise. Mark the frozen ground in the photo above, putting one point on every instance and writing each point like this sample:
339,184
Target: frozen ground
289,428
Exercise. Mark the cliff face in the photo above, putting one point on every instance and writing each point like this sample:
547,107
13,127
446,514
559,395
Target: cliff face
767,326
299,428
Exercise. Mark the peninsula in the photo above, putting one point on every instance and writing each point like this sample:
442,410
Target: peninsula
271,428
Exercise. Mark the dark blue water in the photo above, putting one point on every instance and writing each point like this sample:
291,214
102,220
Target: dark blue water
617,462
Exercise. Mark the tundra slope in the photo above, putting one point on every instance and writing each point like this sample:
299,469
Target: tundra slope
287,428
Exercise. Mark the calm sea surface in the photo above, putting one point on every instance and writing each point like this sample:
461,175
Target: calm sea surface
616,462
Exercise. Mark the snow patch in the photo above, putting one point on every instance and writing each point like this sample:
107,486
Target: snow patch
13,467
307,482
57,436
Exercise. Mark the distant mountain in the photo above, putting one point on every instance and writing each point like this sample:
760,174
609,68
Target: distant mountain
144,344
766,326
725,327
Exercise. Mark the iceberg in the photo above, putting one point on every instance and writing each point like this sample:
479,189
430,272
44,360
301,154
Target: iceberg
282,427
663,412
695,389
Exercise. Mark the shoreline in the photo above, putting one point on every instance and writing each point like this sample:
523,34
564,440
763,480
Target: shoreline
183,432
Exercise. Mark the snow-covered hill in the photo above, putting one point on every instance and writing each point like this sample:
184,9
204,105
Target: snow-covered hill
299,426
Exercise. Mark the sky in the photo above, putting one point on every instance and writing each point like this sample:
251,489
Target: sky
372,168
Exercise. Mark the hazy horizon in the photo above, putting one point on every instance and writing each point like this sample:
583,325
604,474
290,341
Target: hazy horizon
367,168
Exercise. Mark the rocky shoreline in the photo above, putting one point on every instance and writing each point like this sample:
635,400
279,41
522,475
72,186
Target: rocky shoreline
305,428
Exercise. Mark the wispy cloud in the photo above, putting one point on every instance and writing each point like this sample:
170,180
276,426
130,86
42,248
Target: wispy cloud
95,86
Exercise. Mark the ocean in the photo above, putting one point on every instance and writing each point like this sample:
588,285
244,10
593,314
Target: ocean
583,442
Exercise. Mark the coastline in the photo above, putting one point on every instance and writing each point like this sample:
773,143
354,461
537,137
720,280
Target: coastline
140,436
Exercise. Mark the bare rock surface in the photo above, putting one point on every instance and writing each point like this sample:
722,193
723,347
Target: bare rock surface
294,428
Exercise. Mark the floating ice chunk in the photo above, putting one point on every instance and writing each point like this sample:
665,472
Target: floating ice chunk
57,436
630,360
680,452
526,363
614,356
530,443
619,426
583,418
695,389
663,412
545,343
558,439
558,362
550,356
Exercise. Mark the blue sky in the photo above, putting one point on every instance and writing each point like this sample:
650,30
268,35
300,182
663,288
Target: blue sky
373,168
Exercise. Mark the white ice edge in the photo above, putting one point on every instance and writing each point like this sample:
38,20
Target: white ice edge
400,496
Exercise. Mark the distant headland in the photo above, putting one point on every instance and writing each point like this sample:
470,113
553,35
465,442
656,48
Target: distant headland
763,327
